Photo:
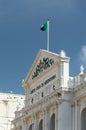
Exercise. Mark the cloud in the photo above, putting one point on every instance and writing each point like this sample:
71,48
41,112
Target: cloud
82,55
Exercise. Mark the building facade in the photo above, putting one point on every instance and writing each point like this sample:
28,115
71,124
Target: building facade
53,99
9,103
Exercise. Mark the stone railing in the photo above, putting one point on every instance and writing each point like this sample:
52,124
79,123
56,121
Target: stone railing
77,80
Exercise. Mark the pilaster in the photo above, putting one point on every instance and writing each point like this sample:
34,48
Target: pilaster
64,69
56,117
46,120
77,116
64,116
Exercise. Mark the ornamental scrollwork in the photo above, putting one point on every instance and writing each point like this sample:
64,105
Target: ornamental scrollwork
43,65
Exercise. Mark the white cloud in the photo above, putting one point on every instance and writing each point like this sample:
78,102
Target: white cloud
82,54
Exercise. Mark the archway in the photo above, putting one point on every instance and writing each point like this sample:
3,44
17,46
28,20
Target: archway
31,127
83,119
41,125
52,122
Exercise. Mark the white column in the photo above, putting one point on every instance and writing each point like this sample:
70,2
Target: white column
73,117
79,119
36,127
59,117
76,116
64,116
45,119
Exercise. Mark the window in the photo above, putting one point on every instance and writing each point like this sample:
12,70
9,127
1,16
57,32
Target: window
42,94
53,87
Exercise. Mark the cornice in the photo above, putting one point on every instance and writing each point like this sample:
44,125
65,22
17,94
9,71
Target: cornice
79,97
80,91
79,87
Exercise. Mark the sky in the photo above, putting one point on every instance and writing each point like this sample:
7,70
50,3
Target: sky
21,38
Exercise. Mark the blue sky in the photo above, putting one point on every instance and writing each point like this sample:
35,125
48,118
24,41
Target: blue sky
21,38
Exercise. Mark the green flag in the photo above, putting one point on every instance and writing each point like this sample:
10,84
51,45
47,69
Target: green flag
44,27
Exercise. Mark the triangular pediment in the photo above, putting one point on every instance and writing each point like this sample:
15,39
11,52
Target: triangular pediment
43,61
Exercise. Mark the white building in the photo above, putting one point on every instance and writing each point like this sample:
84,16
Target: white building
53,100
9,103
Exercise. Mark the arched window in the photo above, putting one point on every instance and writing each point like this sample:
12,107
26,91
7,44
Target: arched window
83,119
31,127
52,122
41,125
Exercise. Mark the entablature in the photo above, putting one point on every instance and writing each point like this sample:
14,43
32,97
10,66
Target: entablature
43,103
80,91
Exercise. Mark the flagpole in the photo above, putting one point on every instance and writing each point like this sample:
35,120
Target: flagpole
48,22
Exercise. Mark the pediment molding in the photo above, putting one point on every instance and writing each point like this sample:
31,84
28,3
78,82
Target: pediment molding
43,62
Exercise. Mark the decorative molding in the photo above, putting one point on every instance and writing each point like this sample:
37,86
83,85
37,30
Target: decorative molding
43,65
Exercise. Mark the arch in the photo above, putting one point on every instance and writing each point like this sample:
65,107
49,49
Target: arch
41,125
83,119
52,122
31,127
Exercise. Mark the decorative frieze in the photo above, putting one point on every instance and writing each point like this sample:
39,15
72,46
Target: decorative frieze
43,65
43,84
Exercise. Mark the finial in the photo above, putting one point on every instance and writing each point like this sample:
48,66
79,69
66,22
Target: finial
22,80
62,53
81,69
